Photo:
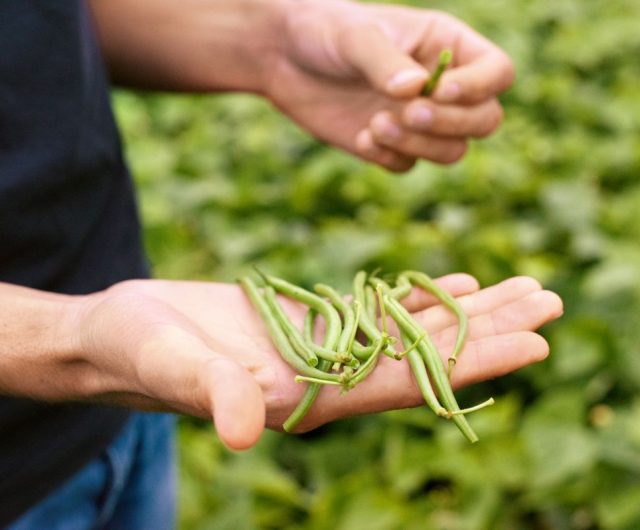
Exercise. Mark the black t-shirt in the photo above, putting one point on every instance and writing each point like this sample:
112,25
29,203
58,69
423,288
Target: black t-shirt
68,220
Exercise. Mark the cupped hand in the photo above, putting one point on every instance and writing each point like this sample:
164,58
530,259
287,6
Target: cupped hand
352,75
200,349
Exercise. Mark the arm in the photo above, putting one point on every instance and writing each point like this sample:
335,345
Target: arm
188,45
349,73
167,345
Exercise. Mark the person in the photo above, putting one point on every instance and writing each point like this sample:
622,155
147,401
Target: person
84,335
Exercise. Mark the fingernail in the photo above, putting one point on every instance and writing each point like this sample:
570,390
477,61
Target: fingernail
365,143
420,116
404,78
449,92
391,131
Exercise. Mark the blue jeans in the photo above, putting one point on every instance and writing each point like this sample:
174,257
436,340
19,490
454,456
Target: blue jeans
130,486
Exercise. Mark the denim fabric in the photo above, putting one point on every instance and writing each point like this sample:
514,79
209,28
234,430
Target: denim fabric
131,486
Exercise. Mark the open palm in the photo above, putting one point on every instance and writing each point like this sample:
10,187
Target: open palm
200,348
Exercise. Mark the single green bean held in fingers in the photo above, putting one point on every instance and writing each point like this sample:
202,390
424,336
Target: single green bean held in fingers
343,361
443,61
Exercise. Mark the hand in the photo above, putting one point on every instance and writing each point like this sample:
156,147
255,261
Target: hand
200,349
351,74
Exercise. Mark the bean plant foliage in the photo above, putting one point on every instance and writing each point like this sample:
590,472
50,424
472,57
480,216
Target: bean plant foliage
225,183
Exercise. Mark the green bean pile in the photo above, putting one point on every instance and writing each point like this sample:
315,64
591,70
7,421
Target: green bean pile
356,334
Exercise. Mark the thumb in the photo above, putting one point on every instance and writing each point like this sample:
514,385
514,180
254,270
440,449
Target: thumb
389,69
237,403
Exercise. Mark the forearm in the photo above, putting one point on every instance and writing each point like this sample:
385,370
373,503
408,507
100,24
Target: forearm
188,45
39,354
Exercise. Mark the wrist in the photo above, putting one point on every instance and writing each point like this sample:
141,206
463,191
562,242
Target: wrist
244,41
259,43
39,344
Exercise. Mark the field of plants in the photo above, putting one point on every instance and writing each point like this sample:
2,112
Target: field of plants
225,182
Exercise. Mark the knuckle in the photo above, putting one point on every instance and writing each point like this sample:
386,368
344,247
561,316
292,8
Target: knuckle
420,115
354,32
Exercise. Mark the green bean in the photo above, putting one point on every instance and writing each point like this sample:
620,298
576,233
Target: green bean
366,324
321,351
423,280
443,61
278,335
402,288
349,322
331,316
370,364
308,326
366,367
293,334
421,376
332,356
362,352
398,292
370,302
305,403
434,365
356,309
332,335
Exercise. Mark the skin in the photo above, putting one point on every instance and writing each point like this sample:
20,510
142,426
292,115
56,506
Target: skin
167,345
351,74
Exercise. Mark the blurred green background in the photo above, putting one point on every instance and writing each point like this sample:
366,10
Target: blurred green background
225,182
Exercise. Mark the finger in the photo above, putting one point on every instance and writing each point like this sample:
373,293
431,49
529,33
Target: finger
439,317
390,70
237,402
482,79
477,121
370,150
176,367
526,314
498,355
388,132
456,284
